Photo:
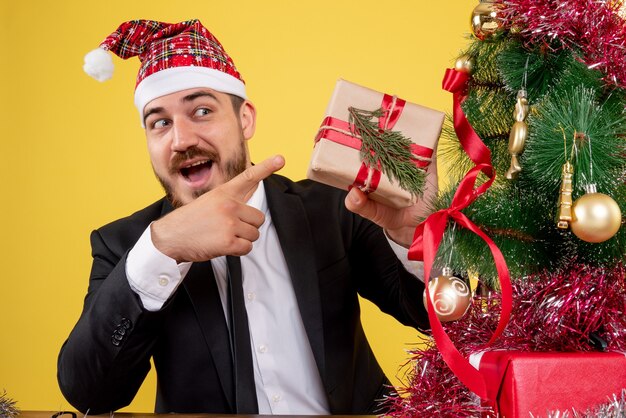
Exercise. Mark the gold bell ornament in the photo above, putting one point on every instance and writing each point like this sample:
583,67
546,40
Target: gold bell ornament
564,215
485,20
451,296
596,217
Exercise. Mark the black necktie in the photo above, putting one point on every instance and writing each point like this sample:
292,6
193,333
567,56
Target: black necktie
245,393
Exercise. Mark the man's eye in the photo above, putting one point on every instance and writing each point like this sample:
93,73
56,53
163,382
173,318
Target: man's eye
161,123
203,111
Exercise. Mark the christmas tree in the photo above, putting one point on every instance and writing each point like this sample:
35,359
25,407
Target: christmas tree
539,125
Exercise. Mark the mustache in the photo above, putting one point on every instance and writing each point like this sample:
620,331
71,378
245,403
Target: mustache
181,157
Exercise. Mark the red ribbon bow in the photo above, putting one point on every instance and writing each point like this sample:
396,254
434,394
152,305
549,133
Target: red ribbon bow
429,233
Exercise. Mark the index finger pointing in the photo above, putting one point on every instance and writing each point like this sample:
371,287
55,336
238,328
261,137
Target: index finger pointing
246,182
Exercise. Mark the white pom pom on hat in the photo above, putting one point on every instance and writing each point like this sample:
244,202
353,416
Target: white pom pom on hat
99,64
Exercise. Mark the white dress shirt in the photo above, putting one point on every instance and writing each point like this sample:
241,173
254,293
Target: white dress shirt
286,377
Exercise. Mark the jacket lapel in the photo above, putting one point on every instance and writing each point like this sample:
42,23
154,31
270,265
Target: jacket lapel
292,228
202,290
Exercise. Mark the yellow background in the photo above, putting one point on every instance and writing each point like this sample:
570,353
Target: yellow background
73,154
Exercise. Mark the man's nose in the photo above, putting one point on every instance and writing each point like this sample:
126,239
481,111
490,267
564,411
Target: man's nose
183,136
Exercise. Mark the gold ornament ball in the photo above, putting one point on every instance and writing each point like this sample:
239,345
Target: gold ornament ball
485,20
451,296
596,217
465,64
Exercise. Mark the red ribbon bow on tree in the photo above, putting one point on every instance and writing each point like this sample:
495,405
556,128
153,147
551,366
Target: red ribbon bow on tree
429,233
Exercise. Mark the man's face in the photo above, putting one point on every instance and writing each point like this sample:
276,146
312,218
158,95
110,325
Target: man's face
196,141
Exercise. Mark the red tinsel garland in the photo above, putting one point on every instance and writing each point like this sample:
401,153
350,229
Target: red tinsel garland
591,27
553,312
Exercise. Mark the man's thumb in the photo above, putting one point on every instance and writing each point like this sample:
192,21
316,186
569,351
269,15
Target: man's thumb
357,202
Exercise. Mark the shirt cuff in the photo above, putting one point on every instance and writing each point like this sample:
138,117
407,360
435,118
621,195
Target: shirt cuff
151,274
416,268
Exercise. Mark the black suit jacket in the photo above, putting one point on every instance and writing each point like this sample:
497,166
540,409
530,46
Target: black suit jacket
332,256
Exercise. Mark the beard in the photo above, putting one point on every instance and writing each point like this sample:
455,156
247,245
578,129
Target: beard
231,168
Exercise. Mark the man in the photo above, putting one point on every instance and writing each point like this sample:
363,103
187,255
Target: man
165,283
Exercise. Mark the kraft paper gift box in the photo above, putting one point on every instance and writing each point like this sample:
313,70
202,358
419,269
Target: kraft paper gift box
537,383
336,157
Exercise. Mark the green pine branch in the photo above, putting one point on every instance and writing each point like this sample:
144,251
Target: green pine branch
599,156
8,408
390,149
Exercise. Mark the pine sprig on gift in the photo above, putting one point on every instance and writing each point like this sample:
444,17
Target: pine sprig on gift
388,148
7,406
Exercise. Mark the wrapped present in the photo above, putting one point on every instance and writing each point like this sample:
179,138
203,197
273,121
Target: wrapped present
337,159
525,383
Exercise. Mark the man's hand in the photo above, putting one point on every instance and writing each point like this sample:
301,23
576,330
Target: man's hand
217,223
398,223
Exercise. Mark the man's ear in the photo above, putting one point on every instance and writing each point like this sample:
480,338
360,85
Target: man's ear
247,116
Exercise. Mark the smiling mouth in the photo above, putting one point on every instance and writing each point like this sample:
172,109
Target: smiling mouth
196,171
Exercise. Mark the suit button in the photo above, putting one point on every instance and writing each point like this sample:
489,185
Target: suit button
126,323
120,331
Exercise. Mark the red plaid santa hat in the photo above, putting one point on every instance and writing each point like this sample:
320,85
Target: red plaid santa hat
173,57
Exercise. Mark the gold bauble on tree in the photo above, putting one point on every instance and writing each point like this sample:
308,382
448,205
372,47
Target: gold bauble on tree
596,217
464,64
451,296
486,20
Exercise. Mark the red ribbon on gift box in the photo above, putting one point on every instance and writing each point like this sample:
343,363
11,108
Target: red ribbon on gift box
429,233
342,132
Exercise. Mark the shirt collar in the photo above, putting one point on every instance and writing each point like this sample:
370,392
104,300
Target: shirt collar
258,200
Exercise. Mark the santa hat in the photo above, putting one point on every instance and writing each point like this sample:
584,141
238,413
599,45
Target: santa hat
173,57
